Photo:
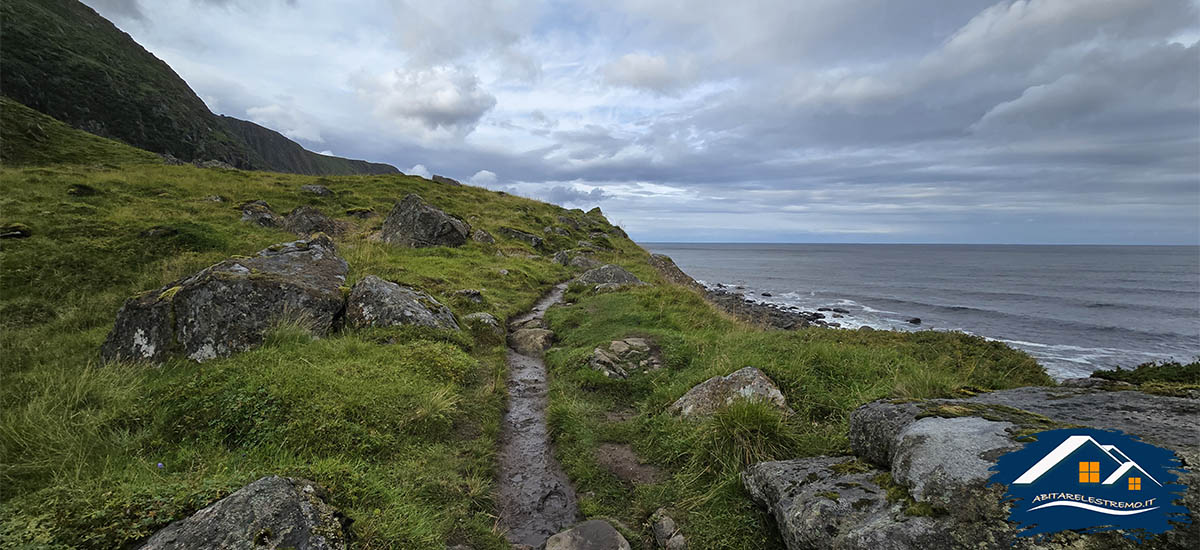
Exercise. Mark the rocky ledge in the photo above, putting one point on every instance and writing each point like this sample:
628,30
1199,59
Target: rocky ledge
920,475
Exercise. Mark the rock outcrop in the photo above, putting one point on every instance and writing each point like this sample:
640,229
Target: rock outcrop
230,306
260,213
719,391
375,302
318,190
273,512
531,341
577,258
527,238
481,236
593,534
609,274
445,180
413,223
671,272
306,220
920,478
621,357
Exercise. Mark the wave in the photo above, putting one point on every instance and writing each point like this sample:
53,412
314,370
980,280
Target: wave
1092,508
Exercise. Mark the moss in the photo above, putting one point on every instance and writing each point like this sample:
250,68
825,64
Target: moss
898,494
831,495
1028,423
853,466
169,294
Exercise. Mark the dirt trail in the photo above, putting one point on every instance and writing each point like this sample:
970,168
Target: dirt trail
536,499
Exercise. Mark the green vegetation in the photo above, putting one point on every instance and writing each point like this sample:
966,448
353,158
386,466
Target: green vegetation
400,424
824,373
1168,378
32,138
63,59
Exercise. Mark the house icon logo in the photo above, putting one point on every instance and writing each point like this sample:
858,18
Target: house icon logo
1091,480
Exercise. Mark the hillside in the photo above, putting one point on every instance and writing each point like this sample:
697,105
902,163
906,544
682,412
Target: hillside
32,138
63,59
401,424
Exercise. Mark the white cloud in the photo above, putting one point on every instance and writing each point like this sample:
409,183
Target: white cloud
650,72
288,121
440,103
419,170
483,178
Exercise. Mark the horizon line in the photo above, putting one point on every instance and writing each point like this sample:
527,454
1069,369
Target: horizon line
1195,245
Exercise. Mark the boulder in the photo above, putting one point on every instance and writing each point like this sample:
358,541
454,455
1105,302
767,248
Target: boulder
318,190
568,221
15,231
921,476
306,220
609,273
527,238
375,302
555,230
470,295
230,306
445,180
260,213
914,321
361,213
484,323
481,236
593,534
1099,383
575,258
622,357
214,164
273,512
170,160
719,391
666,533
413,223
531,341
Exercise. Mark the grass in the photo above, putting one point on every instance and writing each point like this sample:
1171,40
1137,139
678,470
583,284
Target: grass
400,424
1168,378
824,373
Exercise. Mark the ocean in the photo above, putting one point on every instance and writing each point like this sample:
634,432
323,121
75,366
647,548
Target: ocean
1074,308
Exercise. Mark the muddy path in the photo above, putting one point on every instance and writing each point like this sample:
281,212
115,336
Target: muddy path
536,499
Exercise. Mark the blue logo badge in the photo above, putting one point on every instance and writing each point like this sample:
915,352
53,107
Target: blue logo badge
1089,481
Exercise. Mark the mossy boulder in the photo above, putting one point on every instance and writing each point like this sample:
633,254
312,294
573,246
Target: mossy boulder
413,223
748,383
375,302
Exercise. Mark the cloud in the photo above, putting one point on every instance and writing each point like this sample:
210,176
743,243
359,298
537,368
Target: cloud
288,121
419,170
483,178
572,195
131,9
437,103
649,72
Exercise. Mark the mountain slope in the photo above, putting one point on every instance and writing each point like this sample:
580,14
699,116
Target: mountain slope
32,138
65,60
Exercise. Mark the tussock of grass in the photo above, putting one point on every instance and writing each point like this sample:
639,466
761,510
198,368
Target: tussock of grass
824,373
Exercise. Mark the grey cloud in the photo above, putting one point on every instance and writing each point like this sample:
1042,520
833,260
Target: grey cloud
131,9
565,195
443,101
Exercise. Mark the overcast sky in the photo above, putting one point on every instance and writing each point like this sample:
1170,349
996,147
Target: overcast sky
1038,121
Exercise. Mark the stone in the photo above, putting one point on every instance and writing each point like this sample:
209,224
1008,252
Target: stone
481,236
260,213
216,198
719,391
375,302
170,160
214,164
15,231
593,534
360,212
306,220
666,533
484,323
914,321
470,295
445,180
671,272
230,306
569,222
272,512
527,238
319,190
1098,383
623,357
531,341
555,230
575,258
413,223
609,273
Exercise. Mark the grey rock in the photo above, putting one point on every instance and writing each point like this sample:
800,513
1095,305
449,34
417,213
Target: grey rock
375,302
230,306
170,160
214,164
583,262
590,535
527,238
361,212
623,357
470,294
609,273
531,341
273,512
914,321
874,425
484,323
413,223
719,391
569,222
585,244
15,231
671,272
945,461
575,258
260,213
306,220
555,230
666,533
1098,383
319,190
445,180
216,198
481,236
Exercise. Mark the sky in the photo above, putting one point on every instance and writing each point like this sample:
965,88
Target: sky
1019,121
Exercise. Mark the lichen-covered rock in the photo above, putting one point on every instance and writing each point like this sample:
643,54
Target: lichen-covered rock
609,273
481,236
666,533
575,258
484,324
555,230
671,272
319,190
593,534
527,238
260,213
445,180
413,223
230,306
621,357
273,512
719,391
531,341
470,294
306,220
375,302
1099,383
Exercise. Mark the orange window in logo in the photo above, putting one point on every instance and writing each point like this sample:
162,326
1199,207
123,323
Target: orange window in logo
1089,472
1135,484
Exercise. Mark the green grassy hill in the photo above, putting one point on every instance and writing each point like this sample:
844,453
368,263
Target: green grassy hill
63,59
400,425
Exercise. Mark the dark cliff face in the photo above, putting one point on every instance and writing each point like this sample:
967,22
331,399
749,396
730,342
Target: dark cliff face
62,58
